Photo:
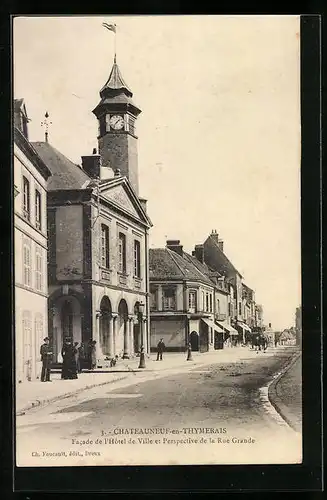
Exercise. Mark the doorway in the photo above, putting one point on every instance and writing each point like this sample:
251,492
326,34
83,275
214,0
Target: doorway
194,339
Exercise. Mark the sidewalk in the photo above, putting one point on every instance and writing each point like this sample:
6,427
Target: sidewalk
36,393
286,395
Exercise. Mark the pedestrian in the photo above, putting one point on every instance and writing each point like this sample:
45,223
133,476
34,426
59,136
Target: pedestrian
46,353
68,353
160,349
93,355
77,359
81,357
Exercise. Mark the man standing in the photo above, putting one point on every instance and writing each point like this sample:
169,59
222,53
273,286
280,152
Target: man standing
46,354
160,349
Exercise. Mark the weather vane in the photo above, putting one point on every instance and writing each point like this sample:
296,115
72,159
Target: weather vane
46,124
113,28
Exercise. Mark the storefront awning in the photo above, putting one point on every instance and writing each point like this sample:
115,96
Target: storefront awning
212,325
244,326
227,327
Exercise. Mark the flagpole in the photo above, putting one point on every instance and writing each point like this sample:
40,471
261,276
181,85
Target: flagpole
115,43
113,28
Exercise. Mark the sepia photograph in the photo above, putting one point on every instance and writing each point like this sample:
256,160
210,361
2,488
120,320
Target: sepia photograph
157,240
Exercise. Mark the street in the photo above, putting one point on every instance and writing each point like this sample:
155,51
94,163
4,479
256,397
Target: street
210,415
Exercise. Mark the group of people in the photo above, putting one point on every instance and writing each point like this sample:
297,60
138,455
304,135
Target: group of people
74,358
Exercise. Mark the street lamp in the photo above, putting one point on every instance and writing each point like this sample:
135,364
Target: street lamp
140,317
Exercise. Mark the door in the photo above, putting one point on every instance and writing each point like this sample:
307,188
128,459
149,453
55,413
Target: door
27,346
194,339
219,340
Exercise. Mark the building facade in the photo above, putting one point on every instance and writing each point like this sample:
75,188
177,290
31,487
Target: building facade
216,259
98,236
182,301
30,249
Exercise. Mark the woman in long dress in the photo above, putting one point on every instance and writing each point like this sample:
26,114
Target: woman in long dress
69,369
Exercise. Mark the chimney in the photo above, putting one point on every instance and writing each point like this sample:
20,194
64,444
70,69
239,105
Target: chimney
91,164
221,245
214,235
175,246
199,253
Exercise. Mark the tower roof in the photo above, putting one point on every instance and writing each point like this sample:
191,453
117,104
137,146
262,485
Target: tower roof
115,81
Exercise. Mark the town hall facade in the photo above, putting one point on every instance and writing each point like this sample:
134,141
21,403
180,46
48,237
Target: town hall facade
98,232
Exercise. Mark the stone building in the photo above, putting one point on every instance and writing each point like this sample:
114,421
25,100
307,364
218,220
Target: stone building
182,300
98,235
30,249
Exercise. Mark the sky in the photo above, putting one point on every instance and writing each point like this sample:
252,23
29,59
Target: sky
219,133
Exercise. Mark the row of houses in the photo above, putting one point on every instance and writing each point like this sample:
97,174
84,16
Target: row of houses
199,298
83,268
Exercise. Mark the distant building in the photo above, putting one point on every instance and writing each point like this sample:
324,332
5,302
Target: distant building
30,243
259,315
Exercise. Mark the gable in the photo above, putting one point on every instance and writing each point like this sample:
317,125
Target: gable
119,196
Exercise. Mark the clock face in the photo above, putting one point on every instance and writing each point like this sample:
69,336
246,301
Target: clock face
116,122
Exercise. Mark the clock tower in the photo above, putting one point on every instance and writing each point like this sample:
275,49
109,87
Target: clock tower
117,114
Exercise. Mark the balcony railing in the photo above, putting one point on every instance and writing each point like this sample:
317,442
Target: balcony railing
220,317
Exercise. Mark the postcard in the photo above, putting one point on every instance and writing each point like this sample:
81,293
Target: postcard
157,264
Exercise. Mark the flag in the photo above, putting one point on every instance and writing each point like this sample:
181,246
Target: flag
110,27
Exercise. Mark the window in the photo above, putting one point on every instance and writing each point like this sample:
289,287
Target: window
122,253
104,246
207,302
230,309
131,125
38,268
153,298
218,307
27,263
38,209
137,259
203,307
192,301
240,309
169,299
210,298
26,198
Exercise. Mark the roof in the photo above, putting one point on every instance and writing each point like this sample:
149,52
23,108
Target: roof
116,81
202,267
65,173
31,153
224,263
166,264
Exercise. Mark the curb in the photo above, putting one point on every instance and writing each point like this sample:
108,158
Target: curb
271,392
